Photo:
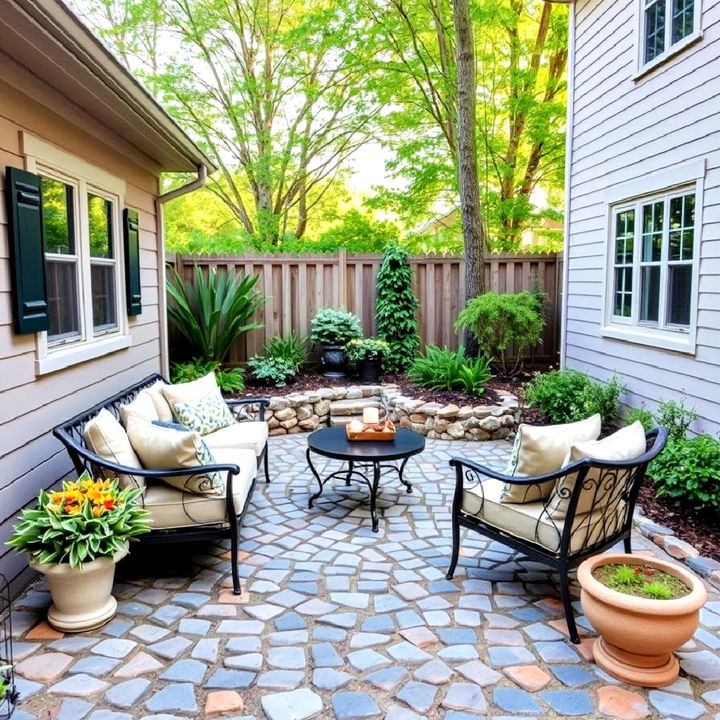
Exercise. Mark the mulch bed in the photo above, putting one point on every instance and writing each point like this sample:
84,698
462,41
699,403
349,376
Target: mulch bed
701,531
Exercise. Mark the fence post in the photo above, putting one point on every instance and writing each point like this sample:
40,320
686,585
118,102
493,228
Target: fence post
342,280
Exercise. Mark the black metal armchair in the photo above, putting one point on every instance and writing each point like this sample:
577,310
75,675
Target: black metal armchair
535,529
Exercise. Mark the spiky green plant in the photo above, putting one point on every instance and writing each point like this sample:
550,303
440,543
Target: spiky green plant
443,369
290,347
211,312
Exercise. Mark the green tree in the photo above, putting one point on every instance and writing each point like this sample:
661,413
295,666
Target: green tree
273,90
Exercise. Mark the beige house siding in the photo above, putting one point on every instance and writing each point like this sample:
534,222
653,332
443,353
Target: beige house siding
31,405
626,129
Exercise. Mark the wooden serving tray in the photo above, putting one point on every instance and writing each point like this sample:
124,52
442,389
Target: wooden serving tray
388,433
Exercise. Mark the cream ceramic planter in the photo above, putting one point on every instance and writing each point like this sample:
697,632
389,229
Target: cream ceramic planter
639,635
82,597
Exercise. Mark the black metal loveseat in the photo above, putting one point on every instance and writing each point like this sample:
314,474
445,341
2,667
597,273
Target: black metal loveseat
531,527
177,515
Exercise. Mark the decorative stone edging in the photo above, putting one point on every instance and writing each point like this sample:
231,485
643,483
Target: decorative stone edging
306,411
664,538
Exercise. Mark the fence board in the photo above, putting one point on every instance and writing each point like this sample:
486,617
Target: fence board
299,285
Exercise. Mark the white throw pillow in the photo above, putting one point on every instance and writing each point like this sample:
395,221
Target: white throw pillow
105,436
141,407
162,448
155,391
600,488
540,449
191,392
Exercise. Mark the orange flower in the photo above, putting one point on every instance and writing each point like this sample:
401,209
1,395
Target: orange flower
98,511
109,504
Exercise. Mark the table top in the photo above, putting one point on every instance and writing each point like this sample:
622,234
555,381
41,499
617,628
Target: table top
333,442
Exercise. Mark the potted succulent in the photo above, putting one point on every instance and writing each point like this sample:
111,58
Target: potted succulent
75,536
367,354
644,609
333,329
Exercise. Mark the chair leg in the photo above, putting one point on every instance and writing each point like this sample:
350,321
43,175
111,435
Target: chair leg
234,556
266,464
456,547
567,604
628,545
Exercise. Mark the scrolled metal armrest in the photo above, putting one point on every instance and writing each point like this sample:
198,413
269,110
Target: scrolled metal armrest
513,480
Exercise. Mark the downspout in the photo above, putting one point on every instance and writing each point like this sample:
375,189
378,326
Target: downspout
160,200
569,126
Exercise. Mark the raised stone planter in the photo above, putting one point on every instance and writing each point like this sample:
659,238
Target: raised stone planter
307,411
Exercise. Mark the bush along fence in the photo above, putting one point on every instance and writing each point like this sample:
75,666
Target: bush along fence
298,286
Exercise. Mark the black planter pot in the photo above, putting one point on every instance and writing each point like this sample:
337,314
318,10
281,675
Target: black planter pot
369,371
333,360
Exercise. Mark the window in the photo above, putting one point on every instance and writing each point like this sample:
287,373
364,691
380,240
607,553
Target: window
651,276
665,24
83,258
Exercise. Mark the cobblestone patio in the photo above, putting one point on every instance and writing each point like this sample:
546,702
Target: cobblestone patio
336,621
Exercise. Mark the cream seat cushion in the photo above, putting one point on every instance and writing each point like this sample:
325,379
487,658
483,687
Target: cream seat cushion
250,435
191,392
141,407
530,521
106,437
163,448
600,487
173,508
540,449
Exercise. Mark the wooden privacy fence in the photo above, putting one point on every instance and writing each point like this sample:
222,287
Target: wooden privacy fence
299,285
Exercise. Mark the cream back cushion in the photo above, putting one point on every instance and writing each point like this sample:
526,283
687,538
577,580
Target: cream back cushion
162,408
191,392
141,407
162,448
541,449
105,436
600,487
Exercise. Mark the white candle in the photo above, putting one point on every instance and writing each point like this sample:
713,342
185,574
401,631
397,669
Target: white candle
371,416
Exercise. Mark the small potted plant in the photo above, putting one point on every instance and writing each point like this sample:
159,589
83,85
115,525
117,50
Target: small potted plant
367,354
75,536
333,329
644,609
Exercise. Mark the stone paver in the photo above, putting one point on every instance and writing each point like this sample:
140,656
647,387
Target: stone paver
335,621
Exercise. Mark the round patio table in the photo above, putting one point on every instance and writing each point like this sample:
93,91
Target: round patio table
362,456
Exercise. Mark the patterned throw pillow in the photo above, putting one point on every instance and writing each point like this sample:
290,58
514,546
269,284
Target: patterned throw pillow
204,416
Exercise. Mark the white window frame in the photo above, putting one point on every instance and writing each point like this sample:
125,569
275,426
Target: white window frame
679,181
671,49
42,158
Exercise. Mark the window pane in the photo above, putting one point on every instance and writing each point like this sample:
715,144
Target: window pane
654,29
57,217
623,292
650,294
103,296
624,237
682,220
682,19
62,299
100,223
652,232
679,289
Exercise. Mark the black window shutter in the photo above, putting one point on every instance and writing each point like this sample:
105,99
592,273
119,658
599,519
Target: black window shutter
27,251
132,262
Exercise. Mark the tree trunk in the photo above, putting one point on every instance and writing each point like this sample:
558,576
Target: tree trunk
472,221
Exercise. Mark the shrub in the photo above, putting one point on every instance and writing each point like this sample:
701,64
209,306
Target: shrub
395,307
271,370
671,414
443,369
212,312
687,471
366,349
499,321
564,396
334,327
291,347
229,380
86,520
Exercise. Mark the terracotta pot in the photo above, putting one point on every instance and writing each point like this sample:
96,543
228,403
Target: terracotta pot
639,635
82,597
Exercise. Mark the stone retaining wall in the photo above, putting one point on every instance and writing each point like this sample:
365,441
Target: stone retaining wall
307,411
